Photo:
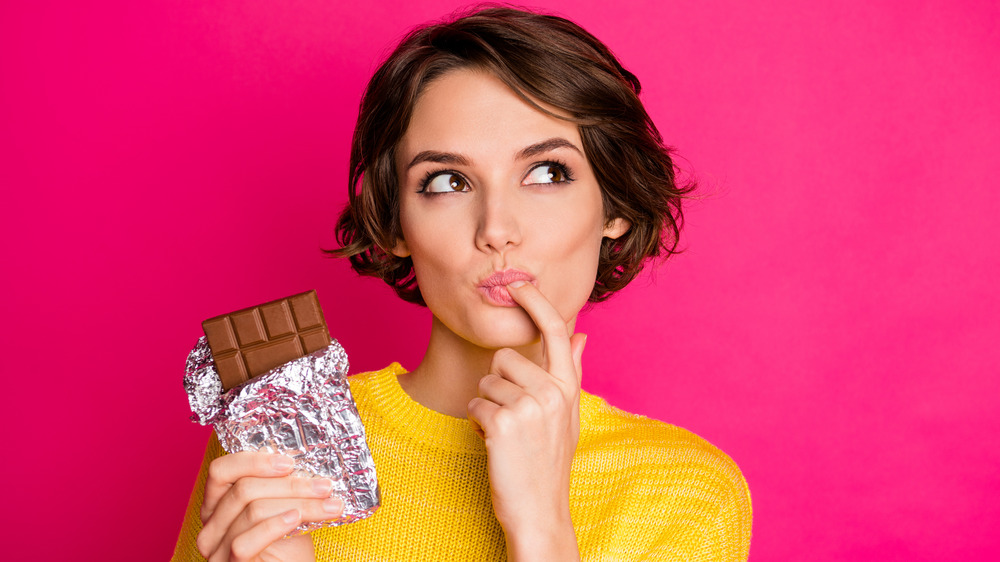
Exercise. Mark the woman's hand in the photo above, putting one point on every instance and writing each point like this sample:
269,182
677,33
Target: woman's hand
252,501
529,416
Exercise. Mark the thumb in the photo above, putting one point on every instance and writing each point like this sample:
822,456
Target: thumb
577,343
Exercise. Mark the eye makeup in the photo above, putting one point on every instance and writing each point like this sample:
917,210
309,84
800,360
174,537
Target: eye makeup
557,173
458,180
561,168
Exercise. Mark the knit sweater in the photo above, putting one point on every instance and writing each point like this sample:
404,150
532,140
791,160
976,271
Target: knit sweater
639,490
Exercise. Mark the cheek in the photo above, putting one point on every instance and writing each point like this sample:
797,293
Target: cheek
576,232
575,248
433,246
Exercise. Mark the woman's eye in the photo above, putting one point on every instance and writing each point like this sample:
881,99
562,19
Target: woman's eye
445,183
546,173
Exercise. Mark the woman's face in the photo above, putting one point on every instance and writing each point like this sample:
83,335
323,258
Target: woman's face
494,191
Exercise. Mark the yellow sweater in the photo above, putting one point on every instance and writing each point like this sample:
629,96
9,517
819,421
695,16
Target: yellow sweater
640,489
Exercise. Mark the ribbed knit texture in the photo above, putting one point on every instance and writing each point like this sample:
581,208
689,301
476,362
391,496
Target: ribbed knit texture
640,489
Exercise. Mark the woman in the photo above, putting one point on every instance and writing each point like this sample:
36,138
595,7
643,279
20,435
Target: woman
508,175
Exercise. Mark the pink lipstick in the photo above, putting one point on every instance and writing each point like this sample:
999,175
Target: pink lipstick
494,287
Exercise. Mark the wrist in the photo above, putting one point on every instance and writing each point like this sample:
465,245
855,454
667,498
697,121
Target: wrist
555,540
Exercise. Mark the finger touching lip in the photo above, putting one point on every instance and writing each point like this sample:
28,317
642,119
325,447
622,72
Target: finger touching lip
494,287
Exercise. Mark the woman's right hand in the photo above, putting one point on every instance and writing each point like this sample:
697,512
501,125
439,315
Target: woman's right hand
252,501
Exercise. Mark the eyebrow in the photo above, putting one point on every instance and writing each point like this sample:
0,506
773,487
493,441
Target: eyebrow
545,146
439,157
524,154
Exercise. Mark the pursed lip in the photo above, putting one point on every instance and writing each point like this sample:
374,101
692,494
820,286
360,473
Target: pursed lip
494,287
506,277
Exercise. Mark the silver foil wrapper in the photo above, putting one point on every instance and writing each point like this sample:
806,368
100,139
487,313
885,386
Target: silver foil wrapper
303,409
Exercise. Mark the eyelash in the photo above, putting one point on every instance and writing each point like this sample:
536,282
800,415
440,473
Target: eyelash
563,167
430,175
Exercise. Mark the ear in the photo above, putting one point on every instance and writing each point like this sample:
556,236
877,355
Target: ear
400,250
616,228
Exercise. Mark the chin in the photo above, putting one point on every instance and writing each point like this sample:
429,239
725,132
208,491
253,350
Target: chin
514,329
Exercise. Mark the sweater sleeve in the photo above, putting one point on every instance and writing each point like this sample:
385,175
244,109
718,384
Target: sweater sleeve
728,533
646,490
721,533
733,525
186,548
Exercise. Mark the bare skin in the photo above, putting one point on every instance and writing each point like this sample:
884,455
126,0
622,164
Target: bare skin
252,501
488,184
529,416
510,189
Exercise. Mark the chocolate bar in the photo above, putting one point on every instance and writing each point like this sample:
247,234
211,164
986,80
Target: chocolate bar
302,408
254,340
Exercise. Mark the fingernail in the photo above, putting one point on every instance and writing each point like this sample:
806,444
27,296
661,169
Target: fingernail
281,462
290,516
517,284
322,486
333,505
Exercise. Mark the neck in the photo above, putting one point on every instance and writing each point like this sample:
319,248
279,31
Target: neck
448,376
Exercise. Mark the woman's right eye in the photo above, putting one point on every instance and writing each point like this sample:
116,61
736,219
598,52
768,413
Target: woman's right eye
445,183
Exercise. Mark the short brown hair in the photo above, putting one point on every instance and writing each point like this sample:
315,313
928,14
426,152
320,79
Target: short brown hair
539,56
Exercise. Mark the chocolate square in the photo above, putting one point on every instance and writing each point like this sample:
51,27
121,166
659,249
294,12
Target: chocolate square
252,341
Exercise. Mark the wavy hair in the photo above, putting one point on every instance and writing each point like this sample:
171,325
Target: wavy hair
539,56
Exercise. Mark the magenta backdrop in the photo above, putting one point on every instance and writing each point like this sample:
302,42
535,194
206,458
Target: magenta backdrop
832,324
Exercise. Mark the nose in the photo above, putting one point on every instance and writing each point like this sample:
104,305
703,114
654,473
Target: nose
498,227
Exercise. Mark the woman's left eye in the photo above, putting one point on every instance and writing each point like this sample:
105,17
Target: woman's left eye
546,173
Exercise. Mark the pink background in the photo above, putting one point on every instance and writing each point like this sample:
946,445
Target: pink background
831,326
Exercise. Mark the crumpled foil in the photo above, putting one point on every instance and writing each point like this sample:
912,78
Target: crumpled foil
303,409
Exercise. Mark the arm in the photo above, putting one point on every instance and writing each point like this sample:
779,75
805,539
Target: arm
529,417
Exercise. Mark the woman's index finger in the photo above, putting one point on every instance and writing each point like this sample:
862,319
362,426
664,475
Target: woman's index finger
555,336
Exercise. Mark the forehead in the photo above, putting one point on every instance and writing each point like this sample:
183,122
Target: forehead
473,112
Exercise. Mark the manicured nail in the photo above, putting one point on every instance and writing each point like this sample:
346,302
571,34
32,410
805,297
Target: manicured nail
290,516
517,284
333,505
322,486
281,462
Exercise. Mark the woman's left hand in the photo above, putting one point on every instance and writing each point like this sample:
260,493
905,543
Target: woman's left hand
529,416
